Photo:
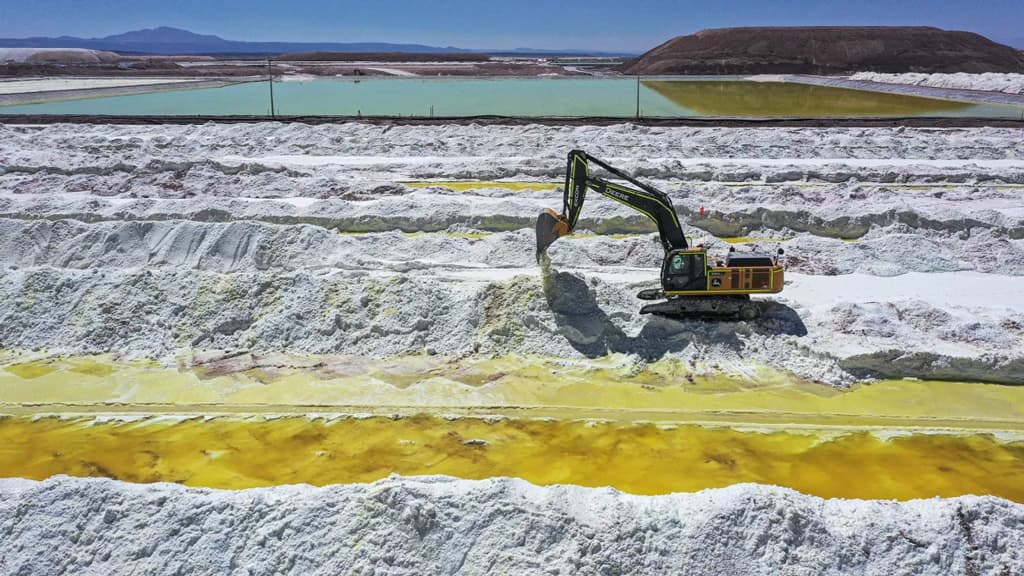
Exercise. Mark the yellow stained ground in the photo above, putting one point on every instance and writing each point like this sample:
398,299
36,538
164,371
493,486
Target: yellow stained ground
229,452
464,185
468,235
750,239
610,388
483,234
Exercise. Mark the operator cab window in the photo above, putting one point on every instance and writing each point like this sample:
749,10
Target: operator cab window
686,272
690,265
696,265
679,265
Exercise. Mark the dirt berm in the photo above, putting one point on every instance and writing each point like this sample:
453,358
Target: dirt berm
827,50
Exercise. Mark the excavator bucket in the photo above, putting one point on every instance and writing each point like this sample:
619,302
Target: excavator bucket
550,227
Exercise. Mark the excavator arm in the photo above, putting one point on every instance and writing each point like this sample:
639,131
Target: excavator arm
645,199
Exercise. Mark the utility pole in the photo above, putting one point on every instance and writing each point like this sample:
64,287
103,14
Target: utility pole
638,97
270,82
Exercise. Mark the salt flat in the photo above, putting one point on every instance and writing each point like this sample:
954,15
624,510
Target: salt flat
60,84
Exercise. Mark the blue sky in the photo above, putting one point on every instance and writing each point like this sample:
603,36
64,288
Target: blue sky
630,25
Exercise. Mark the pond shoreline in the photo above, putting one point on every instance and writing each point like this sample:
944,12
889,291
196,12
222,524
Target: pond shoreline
170,85
497,120
956,94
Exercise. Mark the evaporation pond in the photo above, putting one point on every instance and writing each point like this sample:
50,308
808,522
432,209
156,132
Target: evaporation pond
617,97
243,452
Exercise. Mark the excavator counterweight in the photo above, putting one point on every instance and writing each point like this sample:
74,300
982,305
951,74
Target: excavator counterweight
690,285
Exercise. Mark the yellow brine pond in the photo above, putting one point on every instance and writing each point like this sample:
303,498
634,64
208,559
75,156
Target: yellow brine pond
236,421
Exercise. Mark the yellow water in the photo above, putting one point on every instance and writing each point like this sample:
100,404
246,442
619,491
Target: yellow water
231,452
712,98
242,421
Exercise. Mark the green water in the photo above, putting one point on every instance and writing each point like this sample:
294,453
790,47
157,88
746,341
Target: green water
522,97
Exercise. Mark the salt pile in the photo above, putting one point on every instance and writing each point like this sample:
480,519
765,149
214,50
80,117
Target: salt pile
57,55
441,525
988,81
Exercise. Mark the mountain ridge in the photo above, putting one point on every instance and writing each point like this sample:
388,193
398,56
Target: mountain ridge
170,40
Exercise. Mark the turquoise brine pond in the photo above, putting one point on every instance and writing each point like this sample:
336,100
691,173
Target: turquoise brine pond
453,97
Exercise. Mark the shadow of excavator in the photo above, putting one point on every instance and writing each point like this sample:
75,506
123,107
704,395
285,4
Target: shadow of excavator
593,333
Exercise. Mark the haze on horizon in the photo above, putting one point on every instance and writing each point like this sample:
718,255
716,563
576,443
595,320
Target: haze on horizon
594,25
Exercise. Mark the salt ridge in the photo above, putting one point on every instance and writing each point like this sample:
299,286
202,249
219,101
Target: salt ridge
442,525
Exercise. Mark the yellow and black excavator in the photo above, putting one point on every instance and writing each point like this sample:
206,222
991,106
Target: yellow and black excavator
690,285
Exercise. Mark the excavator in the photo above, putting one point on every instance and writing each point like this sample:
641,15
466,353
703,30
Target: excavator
690,286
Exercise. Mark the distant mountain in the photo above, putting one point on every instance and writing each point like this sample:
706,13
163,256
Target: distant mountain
166,40
163,35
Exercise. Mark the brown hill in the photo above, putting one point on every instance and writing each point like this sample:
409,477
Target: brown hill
827,50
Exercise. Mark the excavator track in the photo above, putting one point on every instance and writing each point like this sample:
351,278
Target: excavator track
741,307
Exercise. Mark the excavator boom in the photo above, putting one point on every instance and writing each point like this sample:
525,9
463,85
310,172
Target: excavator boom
646,199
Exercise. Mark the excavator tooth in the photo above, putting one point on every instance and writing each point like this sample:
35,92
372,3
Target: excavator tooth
550,227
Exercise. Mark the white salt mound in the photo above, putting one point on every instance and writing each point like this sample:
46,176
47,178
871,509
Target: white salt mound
988,81
442,525
57,55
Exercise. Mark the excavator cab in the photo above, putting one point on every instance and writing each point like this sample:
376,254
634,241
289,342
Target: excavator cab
685,270
687,273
